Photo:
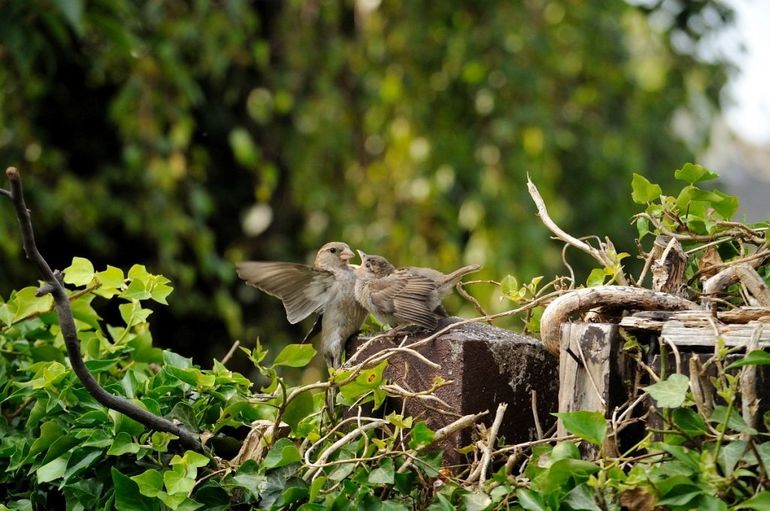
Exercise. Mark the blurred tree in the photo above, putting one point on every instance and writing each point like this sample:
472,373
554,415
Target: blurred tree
188,134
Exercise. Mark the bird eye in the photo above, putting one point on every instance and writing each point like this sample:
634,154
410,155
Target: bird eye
333,250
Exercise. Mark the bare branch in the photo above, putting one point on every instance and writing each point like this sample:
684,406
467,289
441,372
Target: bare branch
581,300
542,211
69,330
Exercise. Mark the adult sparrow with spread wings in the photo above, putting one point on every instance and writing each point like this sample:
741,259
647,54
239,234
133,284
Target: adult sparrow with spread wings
326,288
402,296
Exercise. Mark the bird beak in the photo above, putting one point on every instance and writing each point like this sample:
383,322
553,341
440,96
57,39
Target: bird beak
361,254
347,255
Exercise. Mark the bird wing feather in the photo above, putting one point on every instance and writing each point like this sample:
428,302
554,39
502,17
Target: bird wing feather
302,289
406,297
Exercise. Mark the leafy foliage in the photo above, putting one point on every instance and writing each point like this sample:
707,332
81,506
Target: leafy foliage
58,444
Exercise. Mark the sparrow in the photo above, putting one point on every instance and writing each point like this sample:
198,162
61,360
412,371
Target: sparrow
410,295
326,288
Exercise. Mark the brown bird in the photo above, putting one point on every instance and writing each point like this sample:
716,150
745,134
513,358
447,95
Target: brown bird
410,295
326,288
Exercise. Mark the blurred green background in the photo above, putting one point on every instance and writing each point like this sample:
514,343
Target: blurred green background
186,135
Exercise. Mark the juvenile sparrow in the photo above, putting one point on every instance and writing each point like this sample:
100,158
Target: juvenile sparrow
410,295
326,288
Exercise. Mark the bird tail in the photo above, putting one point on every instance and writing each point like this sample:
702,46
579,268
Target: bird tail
457,275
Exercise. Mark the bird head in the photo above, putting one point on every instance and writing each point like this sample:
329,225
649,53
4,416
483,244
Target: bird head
335,254
374,266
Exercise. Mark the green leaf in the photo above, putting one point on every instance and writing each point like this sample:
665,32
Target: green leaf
756,357
642,226
112,281
53,469
530,500
383,474
476,501
596,277
671,392
420,435
367,380
80,272
178,483
734,422
50,431
133,313
727,206
283,453
643,191
295,355
694,173
127,495
690,422
81,460
298,408
25,303
123,444
135,291
581,497
590,426
509,286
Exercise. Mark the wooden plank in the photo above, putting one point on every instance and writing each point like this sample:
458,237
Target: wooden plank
585,365
734,335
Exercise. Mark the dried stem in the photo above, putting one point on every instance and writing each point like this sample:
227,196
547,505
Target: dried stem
599,255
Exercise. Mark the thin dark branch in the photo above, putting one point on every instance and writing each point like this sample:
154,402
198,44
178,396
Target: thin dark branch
69,330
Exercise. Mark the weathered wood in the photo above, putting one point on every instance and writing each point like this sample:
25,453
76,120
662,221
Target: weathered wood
668,267
734,335
590,369
581,300
743,273
654,320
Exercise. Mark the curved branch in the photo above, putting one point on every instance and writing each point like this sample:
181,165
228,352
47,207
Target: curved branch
599,255
69,330
580,300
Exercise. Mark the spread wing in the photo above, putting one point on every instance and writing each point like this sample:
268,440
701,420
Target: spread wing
302,289
406,297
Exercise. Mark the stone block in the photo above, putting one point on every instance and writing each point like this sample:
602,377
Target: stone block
487,366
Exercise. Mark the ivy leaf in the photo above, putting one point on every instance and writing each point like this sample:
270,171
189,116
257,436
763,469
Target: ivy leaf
80,272
759,502
726,206
596,277
476,501
691,423
298,408
25,303
590,426
694,173
283,453
127,495
421,435
384,474
295,355
150,482
756,357
112,281
368,379
671,392
509,286
643,191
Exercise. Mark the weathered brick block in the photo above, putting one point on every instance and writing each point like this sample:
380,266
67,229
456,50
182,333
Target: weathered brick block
487,366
